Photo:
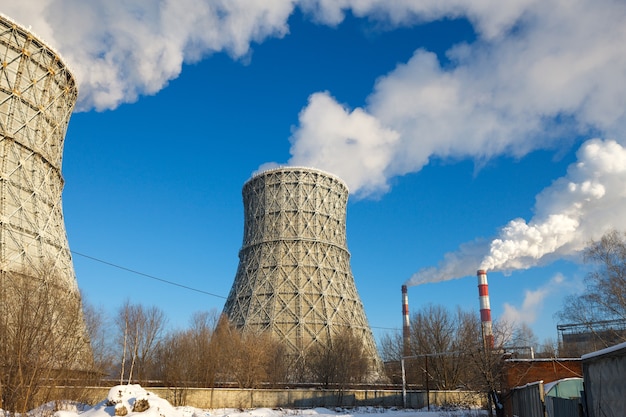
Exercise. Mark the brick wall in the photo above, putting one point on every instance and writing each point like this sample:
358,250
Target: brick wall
519,372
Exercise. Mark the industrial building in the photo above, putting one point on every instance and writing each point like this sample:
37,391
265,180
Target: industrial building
576,339
294,278
37,96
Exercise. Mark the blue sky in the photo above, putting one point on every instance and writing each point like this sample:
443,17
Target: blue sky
478,134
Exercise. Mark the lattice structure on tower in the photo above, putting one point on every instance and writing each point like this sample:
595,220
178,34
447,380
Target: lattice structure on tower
37,97
294,278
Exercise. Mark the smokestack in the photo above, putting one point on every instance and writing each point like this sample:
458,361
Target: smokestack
406,328
485,309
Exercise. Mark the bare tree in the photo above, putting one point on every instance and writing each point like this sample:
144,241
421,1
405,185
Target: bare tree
604,297
221,347
522,341
601,308
172,364
484,372
548,349
339,362
98,326
447,351
279,364
140,329
391,347
221,353
203,326
437,345
43,338
470,343
187,357
249,358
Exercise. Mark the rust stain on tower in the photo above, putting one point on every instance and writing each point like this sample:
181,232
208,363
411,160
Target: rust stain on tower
294,278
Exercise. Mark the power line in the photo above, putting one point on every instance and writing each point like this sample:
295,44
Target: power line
147,275
386,328
174,283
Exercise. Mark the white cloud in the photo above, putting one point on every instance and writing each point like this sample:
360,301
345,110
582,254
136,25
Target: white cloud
533,302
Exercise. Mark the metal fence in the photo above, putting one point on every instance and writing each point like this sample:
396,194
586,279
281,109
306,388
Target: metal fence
531,401
527,401
563,407
605,385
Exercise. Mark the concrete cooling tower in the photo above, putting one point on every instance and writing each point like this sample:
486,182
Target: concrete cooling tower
294,278
37,96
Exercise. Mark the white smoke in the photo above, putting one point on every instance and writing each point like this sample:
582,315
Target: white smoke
582,205
539,75
121,49
533,61
355,133
462,263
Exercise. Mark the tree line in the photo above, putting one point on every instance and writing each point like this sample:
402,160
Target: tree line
212,352
446,351
40,345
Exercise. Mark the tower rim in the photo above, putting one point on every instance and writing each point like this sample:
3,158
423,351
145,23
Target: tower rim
28,32
294,168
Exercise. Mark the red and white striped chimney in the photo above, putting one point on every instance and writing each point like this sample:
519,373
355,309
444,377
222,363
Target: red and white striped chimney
406,327
485,309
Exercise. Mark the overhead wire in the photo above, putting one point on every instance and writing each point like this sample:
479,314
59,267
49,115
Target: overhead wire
123,268
397,329
147,275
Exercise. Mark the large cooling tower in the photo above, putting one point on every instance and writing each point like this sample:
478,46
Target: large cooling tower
294,276
37,96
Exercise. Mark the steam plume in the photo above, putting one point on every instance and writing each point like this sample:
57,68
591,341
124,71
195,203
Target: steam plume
583,204
121,49
556,76
538,72
532,61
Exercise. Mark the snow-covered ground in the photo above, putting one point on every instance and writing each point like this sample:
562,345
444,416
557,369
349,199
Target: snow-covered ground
129,399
